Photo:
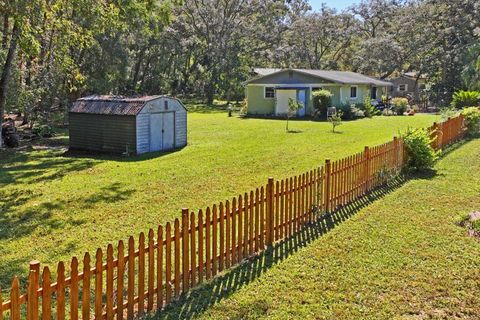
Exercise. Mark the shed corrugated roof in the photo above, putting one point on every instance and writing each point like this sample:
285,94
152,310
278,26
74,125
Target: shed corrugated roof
111,105
343,77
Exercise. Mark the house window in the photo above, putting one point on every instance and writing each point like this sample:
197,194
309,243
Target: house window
165,104
269,92
402,87
353,92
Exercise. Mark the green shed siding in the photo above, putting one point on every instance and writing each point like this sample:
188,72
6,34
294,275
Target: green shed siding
257,104
109,133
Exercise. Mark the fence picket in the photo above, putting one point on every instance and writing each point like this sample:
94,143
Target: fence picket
208,244
168,263
130,278
193,251
120,278
151,269
221,261
160,268
109,282
47,294
85,289
177,257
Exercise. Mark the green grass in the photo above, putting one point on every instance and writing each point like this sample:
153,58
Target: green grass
403,256
54,206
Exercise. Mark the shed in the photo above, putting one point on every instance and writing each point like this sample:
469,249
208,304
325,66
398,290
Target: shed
134,125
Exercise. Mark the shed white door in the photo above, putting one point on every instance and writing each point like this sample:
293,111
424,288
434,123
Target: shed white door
282,100
168,130
162,131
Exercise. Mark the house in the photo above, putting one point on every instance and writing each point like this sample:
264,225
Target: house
132,125
409,85
268,92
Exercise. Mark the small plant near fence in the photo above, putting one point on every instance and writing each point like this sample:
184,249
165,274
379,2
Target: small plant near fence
472,120
420,153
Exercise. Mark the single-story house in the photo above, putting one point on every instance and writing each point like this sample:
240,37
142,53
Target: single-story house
269,90
131,125
408,84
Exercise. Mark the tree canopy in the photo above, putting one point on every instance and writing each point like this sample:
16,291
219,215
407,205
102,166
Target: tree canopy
54,51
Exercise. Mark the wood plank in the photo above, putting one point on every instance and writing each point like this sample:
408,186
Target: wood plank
277,211
234,232
1,305
228,228
131,278
251,219
177,257
47,293
109,283
193,252
120,278
214,239
221,261
240,230
208,244
85,288
60,292
151,270
168,263
200,246
32,287
245,225
185,251
98,284
295,205
73,289
141,274
15,300
257,220
160,268
262,218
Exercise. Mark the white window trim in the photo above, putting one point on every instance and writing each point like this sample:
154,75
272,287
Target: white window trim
402,84
350,93
265,92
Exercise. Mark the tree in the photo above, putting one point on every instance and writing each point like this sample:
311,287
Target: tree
336,120
293,107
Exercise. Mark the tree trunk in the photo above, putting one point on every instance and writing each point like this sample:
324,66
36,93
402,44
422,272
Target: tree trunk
6,74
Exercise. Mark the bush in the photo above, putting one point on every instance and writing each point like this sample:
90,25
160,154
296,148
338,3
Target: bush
472,120
462,99
400,105
322,99
448,112
420,153
44,131
336,120
368,109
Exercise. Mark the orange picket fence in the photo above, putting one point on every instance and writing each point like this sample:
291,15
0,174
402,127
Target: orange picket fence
135,278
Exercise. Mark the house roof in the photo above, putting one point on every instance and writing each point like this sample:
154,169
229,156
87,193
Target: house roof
111,105
342,77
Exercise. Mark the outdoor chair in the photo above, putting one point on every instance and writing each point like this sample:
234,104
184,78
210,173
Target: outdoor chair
331,112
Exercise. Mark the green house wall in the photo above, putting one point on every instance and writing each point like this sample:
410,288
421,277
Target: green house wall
259,105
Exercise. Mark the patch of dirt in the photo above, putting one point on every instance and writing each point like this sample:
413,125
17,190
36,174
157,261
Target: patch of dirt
472,223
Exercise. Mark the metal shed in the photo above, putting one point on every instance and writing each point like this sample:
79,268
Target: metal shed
128,125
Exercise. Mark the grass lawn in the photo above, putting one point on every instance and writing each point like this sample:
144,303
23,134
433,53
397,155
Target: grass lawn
402,257
54,206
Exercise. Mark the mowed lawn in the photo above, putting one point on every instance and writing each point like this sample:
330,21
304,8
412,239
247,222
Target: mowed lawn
402,257
54,206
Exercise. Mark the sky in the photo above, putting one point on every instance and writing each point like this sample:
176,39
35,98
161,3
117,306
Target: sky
337,4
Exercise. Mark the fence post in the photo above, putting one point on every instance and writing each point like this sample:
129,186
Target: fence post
33,285
395,152
185,252
328,171
269,213
366,154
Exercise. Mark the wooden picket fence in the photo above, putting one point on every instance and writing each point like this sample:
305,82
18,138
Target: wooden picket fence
136,278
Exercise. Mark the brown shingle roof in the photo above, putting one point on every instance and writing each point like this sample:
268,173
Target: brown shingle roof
111,105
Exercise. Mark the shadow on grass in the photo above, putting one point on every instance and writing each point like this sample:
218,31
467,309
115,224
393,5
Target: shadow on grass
226,284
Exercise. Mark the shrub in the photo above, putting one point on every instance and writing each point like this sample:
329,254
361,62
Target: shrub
347,111
462,99
448,112
44,131
322,99
293,106
336,120
243,107
400,105
357,112
420,153
368,108
472,120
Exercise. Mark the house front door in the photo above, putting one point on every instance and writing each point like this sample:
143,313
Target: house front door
283,95
302,98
